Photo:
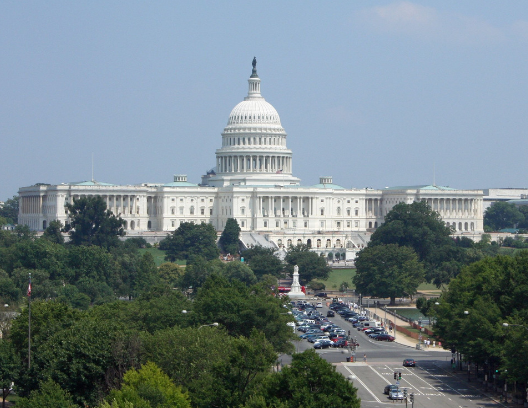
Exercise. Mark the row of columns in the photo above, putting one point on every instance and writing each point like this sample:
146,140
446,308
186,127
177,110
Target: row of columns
31,204
454,205
253,163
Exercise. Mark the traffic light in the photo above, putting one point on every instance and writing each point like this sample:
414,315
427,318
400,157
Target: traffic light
399,376
411,397
405,392
395,375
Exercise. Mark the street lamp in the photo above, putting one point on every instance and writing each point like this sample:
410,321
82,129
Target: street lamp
518,325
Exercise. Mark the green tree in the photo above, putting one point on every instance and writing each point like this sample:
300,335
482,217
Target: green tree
10,210
263,261
240,309
92,224
147,275
9,367
49,395
191,240
502,215
170,273
54,232
388,271
149,387
311,265
230,237
309,382
417,226
241,272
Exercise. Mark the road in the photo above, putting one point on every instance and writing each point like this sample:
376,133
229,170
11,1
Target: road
432,380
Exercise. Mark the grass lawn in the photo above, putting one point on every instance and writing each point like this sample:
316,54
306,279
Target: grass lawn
338,276
159,255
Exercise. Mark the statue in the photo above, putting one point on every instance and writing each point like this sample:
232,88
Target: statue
296,269
254,63
296,290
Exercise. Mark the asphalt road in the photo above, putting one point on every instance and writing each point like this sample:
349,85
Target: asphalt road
432,380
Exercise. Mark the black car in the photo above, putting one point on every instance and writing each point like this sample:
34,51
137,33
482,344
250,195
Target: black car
330,313
389,388
321,294
409,362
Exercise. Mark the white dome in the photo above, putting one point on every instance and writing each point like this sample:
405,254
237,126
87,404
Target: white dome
254,111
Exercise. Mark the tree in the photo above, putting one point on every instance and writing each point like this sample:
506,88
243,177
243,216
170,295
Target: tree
502,215
149,387
417,226
241,272
191,240
9,367
53,232
311,265
388,271
10,210
170,273
309,382
49,395
92,224
147,274
240,309
263,261
230,237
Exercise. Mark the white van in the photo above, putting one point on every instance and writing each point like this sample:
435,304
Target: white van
370,324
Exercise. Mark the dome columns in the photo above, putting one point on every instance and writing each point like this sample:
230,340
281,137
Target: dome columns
260,163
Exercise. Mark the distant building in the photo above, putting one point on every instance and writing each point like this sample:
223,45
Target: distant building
493,195
253,182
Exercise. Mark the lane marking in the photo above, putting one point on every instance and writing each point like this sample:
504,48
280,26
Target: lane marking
363,384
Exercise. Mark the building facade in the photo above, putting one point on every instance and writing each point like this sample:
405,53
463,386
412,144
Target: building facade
253,182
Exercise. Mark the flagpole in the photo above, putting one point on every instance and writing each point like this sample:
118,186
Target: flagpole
29,322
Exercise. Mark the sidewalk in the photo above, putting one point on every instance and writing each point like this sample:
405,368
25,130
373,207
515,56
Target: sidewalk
400,337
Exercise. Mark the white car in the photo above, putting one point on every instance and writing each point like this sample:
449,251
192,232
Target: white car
319,304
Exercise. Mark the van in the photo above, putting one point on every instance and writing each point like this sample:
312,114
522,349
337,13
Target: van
370,324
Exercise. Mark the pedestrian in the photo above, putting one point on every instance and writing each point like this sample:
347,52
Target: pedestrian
364,358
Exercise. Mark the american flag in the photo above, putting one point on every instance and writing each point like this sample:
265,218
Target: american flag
29,289
279,171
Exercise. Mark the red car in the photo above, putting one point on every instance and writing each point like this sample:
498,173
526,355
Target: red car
385,337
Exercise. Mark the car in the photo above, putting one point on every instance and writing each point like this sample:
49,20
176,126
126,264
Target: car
409,362
319,305
340,343
321,294
385,337
396,395
323,343
330,313
389,388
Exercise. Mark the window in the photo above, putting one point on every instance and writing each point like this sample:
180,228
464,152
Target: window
348,211
243,224
289,243
265,224
277,224
348,224
322,224
322,211
181,210
294,224
338,210
356,223
356,212
305,224
191,210
202,200
181,200
338,224
173,210
173,199
243,211
210,211
328,243
318,243
173,223
202,211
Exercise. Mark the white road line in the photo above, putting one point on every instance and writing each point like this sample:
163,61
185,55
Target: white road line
363,384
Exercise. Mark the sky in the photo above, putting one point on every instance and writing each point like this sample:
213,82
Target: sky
375,94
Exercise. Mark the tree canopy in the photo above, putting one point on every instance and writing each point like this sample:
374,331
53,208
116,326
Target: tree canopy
90,223
10,210
191,240
230,237
502,215
311,265
263,261
388,271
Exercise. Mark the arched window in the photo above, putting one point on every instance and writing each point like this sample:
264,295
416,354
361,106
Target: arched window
328,243
299,242
318,243
149,225
338,243
279,242
44,224
289,243
309,243
191,210
338,210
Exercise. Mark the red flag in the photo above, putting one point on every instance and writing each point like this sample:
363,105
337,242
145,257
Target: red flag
29,290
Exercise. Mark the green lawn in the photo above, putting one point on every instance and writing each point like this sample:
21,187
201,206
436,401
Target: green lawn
338,276
159,255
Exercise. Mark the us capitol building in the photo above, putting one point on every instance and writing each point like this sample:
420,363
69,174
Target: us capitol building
253,182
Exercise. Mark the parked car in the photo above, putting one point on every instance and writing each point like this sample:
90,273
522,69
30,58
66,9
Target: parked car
409,362
389,388
385,337
340,343
321,344
330,313
321,294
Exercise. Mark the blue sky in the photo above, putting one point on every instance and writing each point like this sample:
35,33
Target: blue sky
375,94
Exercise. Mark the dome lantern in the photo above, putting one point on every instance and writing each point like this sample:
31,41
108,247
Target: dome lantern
254,82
